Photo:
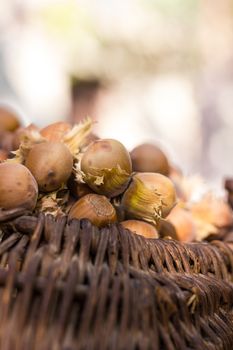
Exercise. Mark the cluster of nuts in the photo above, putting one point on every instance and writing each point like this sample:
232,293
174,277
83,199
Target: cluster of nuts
65,169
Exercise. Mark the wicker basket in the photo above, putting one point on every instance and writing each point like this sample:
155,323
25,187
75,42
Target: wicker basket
73,286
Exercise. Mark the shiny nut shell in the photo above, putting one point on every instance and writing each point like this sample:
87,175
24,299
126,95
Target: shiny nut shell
95,208
51,164
18,188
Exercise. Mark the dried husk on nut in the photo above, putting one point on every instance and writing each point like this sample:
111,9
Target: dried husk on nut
76,137
211,214
73,139
54,203
22,132
29,139
110,182
106,167
149,197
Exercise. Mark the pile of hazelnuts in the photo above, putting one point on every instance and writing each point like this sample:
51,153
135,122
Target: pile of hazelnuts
65,169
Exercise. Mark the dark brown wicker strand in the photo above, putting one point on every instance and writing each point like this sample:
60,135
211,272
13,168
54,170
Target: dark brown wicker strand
69,285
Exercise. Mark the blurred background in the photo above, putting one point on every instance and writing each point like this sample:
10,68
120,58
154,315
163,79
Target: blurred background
145,70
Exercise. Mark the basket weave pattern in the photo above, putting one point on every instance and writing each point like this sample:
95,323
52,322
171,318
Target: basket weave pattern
73,286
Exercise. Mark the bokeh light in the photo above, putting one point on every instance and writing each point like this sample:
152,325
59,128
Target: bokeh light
157,71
